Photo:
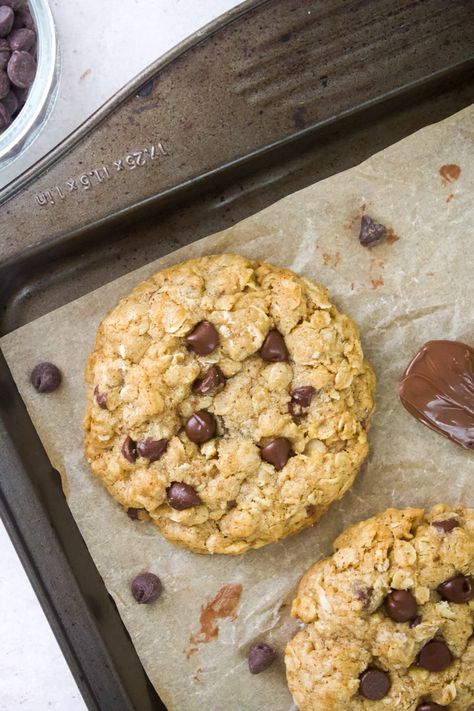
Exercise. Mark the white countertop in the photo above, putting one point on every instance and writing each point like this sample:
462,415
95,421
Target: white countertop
100,52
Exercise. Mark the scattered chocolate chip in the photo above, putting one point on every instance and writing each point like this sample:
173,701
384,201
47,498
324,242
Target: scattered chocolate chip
22,39
371,232
276,452
100,398
46,377
6,20
365,596
301,400
203,339
21,69
231,504
152,449
146,588
5,53
201,426
260,657
446,526
132,513
374,684
430,706
458,589
274,347
435,656
182,496
416,621
129,449
23,18
401,606
209,381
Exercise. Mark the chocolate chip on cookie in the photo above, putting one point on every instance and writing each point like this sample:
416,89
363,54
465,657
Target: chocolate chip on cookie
301,399
132,513
203,339
274,347
209,381
416,621
430,706
46,377
458,589
435,656
182,496
401,606
374,684
100,398
276,452
129,449
371,232
260,657
201,426
446,526
152,449
146,588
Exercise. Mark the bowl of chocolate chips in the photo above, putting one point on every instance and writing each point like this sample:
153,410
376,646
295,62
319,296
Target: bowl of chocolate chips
28,73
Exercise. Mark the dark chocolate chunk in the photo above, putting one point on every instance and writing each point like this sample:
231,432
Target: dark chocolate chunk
209,381
10,102
371,232
132,513
4,84
401,606
21,69
416,621
6,20
231,504
23,18
146,588
129,449
458,589
301,399
260,657
46,377
152,449
447,525
437,388
435,656
276,452
182,496
374,684
15,4
430,706
100,398
5,53
203,339
273,347
22,39
201,426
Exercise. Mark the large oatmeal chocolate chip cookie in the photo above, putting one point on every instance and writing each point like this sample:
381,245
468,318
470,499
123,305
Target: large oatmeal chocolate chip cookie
389,617
228,401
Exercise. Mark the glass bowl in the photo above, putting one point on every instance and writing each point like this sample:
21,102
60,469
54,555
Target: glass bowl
34,114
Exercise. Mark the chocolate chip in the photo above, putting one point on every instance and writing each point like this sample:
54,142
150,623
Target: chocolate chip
374,684
6,20
10,102
152,449
46,377
276,452
371,232
22,39
4,117
129,449
23,18
203,339
201,426
274,347
21,69
365,596
231,504
430,706
447,525
416,621
100,398
4,85
458,589
260,657
401,606
132,513
5,53
146,588
211,380
301,399
435,656
182,496
14,4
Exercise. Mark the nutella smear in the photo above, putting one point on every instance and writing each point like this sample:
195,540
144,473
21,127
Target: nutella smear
438,389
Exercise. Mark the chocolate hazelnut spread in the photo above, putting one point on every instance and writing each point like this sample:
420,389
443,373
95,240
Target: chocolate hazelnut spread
438,389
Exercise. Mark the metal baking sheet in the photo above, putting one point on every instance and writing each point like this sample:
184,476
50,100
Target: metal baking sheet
209,175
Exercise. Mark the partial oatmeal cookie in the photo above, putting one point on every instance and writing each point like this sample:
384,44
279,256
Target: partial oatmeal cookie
229,402
389,617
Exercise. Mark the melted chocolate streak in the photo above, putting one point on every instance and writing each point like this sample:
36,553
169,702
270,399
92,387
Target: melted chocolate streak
438,389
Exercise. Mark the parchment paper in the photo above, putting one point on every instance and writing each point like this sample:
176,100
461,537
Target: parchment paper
401,293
